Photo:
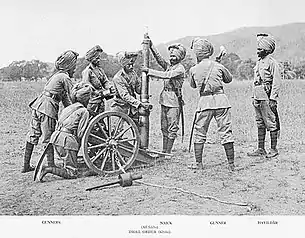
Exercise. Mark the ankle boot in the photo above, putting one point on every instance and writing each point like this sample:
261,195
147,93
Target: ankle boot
198,150
61,172
27,158
169,147
229,149
260,151
273,151
50,156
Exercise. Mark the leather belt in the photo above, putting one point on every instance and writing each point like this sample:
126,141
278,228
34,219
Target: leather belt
210,93
66,130
51,95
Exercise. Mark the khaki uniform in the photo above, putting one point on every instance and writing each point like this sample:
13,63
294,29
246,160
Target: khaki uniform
173,78
45,107
69,131
125,100
98,79
213,102
267,80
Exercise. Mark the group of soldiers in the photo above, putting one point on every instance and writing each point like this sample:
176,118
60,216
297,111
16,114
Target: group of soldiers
86,99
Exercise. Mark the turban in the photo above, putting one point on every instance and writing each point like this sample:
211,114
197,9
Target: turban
178,50
93,53
202,48
81,92
125,58
266,42
66,60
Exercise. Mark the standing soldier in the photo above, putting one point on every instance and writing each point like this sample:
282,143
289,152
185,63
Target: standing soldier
127,84
208,77
45,107
94,75
69,131
171,95
267,81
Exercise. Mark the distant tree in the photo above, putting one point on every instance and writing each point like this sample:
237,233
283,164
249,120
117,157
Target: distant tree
245,70
231,61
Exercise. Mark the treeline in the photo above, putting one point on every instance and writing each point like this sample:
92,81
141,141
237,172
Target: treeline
240,69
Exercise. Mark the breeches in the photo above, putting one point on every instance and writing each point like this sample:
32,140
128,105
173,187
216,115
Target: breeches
264,116
169,121
41,126
224,124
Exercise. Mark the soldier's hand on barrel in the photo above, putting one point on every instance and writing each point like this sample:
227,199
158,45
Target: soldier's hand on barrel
146,106
144,69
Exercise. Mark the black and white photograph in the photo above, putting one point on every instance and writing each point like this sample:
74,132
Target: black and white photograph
150,118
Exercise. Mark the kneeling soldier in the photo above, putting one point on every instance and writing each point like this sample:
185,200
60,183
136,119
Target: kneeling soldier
207,76
69,131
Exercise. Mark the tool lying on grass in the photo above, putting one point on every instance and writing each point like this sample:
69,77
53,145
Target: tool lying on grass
124,180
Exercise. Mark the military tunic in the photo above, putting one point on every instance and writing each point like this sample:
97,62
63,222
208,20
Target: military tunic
267,81
125,100
69,131
208,77
98,79
173,78
46,106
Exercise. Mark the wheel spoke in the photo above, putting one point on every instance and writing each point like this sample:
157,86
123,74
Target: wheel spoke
98,155
122,133
109,125
125,148
121,157
112,160
117,126
102,129
97,146
126,140
104,161
97,137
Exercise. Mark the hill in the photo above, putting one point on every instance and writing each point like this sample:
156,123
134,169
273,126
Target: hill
290,40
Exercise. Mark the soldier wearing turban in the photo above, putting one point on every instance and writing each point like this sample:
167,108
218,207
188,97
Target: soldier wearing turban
70,129
208,77
95,75
267,82
171,95
127,86
46,106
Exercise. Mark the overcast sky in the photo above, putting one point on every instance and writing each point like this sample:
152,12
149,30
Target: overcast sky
40,29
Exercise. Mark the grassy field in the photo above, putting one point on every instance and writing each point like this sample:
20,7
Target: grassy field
276,186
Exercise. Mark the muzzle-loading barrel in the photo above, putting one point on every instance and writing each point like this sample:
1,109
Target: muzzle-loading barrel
144,118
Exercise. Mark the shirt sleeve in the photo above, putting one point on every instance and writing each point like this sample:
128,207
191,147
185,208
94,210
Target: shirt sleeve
124,94
277,80
160,60
83,123
66,96
226,75
192,80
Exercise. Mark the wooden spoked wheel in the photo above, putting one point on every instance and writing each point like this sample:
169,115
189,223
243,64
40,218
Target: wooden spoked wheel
110,143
